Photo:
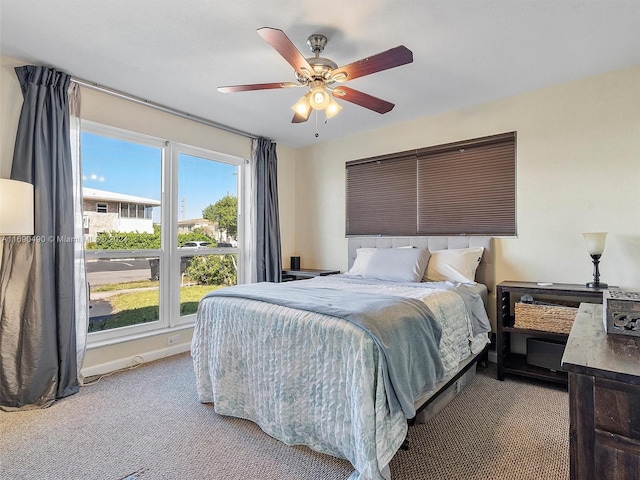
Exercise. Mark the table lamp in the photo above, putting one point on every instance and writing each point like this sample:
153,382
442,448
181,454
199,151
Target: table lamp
16,207
595,247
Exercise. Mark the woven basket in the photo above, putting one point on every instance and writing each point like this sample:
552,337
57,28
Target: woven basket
557,319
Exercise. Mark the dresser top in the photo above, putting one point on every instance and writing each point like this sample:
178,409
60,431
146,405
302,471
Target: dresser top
590,350
554,287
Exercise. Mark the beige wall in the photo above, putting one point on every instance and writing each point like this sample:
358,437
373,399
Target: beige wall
578,170
10,105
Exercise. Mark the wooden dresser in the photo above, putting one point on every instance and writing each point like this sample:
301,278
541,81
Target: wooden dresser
604,399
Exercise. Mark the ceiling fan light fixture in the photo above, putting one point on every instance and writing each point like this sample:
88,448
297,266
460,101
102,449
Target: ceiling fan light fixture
303,106
332,109
319,97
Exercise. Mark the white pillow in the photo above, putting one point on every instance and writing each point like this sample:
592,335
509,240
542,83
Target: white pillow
362,259
363,255
397,264
456,265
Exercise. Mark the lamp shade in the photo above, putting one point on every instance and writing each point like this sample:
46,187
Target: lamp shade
16,207
319,98
595,242
332,109
302,106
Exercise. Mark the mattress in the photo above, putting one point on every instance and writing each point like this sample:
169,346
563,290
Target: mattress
312,379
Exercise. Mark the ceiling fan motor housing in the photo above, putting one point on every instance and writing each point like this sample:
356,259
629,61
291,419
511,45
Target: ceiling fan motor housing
322,70
316,43
322,67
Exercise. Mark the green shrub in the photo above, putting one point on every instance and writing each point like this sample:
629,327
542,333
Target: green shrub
142,241
213,270
127,241
195,236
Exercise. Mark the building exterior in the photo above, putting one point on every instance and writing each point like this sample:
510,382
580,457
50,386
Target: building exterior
188,226
104,211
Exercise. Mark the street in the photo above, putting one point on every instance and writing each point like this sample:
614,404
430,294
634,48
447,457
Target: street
100,272
117,265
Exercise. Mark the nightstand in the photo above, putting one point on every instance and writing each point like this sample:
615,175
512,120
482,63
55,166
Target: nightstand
507,293
305,273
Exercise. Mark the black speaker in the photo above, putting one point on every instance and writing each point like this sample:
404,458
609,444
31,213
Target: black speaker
295,263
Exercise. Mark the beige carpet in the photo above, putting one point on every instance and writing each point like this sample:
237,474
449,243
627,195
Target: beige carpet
147,424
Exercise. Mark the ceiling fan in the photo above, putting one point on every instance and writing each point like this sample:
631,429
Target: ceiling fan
320,74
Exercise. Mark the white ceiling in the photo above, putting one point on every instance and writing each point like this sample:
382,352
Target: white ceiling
176,52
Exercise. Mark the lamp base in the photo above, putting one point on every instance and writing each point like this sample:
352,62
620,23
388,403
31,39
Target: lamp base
597,285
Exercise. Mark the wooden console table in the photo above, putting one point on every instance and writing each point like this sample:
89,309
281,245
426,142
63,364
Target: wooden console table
604,399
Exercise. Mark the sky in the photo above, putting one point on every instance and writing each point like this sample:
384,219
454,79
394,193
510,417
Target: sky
134,169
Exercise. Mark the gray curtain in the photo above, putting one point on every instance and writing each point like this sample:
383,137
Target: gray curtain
37,315
268,255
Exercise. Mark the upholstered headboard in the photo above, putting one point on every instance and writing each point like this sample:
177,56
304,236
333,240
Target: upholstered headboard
485,273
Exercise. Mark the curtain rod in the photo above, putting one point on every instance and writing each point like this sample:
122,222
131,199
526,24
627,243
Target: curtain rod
157,106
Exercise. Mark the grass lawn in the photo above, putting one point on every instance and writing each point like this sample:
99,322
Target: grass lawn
111,287
132,308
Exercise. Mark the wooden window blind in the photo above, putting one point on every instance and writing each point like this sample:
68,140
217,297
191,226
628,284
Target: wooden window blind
459,188
381,197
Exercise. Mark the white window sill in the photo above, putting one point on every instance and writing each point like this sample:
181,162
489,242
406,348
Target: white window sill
138,336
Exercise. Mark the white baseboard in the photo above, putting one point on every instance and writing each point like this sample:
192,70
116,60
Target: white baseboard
126,362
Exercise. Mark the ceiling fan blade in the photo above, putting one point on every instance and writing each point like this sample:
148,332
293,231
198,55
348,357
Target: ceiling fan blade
285,47
363,99
395,57
256,86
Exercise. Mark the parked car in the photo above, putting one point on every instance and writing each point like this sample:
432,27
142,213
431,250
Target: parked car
196,245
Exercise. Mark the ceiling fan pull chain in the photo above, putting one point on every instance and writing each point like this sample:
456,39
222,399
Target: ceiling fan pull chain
316,113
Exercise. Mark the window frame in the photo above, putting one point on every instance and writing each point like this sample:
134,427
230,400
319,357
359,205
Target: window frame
169,296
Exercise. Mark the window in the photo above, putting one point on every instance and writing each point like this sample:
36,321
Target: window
459,188
140,279
134,210
124,210
207,225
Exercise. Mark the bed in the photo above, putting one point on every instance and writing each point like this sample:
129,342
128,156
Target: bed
315,362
